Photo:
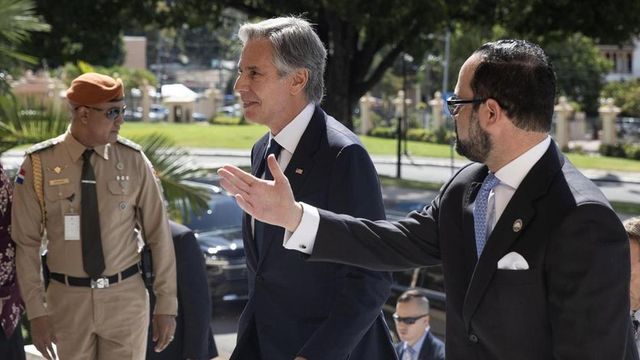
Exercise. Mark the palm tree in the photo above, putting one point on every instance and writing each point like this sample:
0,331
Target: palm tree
17,20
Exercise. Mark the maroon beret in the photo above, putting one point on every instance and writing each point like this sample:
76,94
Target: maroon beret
94,88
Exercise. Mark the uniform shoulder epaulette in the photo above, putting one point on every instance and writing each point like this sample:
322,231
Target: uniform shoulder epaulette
129,143
44,145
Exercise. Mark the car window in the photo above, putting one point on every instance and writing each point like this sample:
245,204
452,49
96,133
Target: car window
223,213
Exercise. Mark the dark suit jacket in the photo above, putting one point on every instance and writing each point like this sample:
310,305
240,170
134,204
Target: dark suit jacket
193,338
572,302
432,348
316,310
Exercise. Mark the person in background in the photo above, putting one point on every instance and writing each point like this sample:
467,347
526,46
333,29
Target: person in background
535,259
297,309
87,190
193,338
412,325
11,305
632,226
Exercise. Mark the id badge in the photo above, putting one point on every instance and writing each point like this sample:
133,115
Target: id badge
72,227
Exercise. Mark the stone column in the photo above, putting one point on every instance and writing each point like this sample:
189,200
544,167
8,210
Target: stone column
563,110
579,128
437,104
365,113
608,112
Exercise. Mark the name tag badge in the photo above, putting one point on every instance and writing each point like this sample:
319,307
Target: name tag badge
71,227
58,182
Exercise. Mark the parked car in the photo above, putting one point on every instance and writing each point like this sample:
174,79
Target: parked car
158,112
219,233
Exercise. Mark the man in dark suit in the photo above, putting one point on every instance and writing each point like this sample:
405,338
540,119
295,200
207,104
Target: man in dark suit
412,325
298,309
534,258
193,338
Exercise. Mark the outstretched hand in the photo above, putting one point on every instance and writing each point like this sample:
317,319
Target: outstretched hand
270,201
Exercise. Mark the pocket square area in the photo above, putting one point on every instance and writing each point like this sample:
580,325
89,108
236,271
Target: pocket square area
513,261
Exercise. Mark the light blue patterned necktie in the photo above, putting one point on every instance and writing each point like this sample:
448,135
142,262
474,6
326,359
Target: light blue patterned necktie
480,211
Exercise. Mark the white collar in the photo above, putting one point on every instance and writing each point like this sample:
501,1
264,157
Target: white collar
514,172
290,135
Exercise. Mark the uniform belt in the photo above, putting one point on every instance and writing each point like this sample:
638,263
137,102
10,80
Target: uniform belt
99,283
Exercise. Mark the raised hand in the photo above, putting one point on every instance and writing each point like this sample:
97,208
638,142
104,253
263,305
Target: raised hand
268,201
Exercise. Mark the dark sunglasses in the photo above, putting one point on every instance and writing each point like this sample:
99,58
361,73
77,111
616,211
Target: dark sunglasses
454,103
408,320
111,113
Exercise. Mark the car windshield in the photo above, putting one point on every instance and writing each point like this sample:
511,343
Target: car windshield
223,213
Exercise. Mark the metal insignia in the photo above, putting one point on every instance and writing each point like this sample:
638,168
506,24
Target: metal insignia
119,166
517,225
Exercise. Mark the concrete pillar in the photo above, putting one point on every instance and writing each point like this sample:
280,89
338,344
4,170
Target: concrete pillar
578,129
563,111
608,112
365,113
436,105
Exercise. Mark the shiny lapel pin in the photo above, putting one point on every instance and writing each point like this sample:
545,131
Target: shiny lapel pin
517,225
299,171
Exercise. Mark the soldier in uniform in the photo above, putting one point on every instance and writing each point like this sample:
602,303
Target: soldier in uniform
88,189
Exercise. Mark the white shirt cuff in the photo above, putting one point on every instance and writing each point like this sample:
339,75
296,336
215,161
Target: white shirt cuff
304,237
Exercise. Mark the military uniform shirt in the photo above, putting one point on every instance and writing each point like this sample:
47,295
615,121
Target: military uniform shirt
124,182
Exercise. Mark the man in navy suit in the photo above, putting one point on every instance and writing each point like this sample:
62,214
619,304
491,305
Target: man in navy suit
412,325
298,309
535,260
193,338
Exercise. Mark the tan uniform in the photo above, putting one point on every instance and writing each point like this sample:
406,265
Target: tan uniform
124,182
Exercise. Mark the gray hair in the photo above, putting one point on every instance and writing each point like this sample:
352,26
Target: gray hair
295,46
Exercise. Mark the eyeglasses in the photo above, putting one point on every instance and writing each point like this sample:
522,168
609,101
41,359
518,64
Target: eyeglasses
111,113
454,103
408,320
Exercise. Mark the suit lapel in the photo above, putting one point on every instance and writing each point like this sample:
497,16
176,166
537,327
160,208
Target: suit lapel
520,208
298,170
302,161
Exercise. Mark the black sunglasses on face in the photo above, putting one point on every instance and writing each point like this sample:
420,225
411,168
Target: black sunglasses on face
408,320
454,103
111,113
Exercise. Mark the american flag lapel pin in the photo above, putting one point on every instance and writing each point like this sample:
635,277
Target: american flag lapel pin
299,171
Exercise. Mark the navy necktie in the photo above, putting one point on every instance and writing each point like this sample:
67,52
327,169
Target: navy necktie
260,228
92,255
480,211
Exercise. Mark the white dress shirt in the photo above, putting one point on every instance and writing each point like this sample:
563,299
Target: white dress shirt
511,175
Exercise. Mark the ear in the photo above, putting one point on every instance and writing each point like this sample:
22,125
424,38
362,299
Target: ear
493,112
299,79
82,114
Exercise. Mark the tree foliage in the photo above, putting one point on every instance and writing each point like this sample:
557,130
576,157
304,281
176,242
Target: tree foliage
626,95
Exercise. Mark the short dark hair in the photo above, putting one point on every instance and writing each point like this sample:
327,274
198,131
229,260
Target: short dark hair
419,295
520,77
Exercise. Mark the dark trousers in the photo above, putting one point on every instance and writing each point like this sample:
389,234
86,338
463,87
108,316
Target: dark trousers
13,347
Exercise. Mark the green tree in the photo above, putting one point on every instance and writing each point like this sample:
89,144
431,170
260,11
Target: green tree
579,67
17,21
626,95
88,31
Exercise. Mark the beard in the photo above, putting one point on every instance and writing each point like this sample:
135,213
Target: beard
478,145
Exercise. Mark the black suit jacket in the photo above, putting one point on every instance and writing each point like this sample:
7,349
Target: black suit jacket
432,348
193,337
316,310
572,302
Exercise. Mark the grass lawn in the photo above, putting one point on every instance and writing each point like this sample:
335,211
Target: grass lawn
243,136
